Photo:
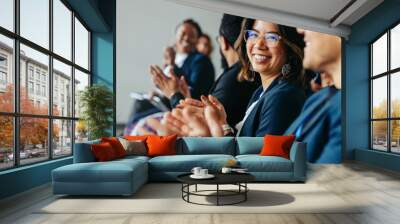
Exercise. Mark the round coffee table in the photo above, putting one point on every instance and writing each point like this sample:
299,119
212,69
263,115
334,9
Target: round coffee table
238,179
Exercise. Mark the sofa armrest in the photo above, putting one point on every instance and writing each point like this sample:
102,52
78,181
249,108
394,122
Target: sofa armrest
83,152
298,155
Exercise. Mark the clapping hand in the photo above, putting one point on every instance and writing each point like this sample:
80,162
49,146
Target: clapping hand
168,85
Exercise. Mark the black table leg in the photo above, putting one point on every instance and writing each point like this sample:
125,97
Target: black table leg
188,189
245,193
196,188
217,194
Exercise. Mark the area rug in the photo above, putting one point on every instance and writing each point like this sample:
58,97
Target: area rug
167,198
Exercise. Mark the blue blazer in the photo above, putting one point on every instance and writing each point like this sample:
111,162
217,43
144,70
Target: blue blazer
277,108
319,125
198,72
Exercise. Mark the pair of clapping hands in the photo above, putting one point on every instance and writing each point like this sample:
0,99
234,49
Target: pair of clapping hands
169,84
192,117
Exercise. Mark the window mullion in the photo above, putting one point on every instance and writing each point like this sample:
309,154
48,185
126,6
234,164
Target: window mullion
371,137
389,106
73,82
50,81
16,83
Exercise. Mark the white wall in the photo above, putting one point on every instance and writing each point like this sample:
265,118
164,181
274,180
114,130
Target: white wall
144,28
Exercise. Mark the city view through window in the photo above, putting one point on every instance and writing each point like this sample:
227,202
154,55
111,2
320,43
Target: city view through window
385,91
39,114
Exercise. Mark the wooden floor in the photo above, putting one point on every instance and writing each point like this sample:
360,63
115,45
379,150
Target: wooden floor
377,188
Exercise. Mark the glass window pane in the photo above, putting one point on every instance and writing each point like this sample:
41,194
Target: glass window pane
395,136
6,142
6,74
379,55
62,138
395,47
379,135
7,14
34,72
33,140
62,89
81,45
62,28
35,21
395,95
81,131
379,97
81,81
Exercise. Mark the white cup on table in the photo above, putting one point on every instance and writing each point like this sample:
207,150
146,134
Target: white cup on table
196,171
203,172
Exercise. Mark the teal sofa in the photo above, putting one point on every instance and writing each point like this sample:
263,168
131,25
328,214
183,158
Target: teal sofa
125,176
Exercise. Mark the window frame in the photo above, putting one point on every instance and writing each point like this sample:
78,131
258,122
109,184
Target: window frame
16,115
388,74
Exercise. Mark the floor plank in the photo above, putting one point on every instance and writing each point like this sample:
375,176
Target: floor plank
377,190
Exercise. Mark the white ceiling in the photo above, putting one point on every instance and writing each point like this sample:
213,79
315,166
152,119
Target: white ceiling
321,9
328,16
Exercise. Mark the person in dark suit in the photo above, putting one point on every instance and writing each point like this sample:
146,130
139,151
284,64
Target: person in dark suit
184,64
274,53
232,93
319,124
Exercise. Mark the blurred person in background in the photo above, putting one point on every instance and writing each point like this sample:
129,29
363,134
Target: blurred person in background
204,45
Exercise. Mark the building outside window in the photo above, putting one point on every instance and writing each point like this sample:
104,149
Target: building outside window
385,91
3,72
30,87
58,127
30,72
44,77
3,61
43,90
3,78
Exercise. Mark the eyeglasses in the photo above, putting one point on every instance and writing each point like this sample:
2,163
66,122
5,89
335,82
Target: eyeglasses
271,39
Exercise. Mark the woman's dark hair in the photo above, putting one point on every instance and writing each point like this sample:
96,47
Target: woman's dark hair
294,46
192,23
230,28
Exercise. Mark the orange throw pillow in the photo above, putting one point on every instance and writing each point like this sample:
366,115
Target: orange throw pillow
103,152
275,145
161,145
116,145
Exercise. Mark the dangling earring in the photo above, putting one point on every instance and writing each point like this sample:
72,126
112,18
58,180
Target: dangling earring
286,69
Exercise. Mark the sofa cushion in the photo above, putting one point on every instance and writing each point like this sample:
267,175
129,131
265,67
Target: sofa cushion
103,152
185,163
161,145
249,145
257,163
277,145
134,147
83,152
206,145
116,145
111,171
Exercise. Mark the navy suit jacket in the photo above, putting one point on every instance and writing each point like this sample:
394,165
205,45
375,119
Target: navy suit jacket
320,122
278,107
198,72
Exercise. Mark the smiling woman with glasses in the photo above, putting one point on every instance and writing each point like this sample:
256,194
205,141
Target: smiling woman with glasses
275,59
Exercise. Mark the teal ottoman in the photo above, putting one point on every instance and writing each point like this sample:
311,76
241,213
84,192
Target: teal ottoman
118,177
